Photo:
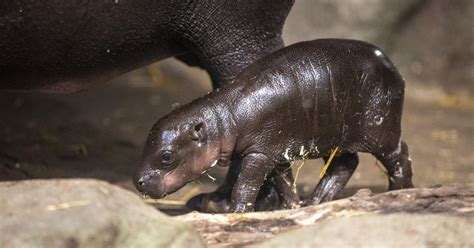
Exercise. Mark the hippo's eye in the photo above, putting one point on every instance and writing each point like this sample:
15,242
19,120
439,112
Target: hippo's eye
166,158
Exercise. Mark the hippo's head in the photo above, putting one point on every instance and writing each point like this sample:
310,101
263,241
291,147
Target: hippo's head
179,149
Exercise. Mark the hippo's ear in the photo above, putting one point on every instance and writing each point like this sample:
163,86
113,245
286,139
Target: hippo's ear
198,132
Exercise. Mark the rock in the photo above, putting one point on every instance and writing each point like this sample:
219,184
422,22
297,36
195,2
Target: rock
73,152
220,230
394,230
84,213
429,41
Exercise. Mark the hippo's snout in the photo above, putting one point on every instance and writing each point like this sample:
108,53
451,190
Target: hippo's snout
149,184
142,180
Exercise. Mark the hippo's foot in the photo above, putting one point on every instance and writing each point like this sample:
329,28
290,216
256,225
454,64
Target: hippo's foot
277,192
219,202
210,203
338,174
398,164
269,198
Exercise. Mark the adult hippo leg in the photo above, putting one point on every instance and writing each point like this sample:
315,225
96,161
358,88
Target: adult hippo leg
398,164
223,48
337,175
234,39
224,37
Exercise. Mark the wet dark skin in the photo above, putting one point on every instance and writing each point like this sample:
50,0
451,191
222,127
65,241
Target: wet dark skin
302,100
67,46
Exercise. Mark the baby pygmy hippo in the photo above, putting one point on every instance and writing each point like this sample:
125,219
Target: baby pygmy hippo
304,100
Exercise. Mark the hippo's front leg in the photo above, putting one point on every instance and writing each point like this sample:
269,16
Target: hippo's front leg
219,200
255,168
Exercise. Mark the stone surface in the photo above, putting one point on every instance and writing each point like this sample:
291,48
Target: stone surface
394,230
223,230
430,41
84,213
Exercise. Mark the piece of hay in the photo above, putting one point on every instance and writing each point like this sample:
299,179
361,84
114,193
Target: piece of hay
166,202
298,172
66,205
190,193
211,177
326,166
304,154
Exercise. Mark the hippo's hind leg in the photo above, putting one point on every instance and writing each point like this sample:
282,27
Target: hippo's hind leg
278,192
337,175
398,164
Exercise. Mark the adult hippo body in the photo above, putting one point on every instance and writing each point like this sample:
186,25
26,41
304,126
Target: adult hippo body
299,102
66,46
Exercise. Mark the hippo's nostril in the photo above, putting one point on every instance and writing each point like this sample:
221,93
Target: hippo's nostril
141,182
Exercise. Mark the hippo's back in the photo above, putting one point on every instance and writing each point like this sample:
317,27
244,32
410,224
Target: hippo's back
308,57
322,88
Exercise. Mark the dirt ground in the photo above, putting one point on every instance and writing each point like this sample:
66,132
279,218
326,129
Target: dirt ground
99,133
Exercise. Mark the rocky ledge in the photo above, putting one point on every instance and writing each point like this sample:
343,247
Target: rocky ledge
91,213
438,216
84,213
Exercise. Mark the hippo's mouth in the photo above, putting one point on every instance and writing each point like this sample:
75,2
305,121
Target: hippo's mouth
147,196
154,195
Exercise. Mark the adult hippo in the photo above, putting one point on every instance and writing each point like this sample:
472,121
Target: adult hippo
67,46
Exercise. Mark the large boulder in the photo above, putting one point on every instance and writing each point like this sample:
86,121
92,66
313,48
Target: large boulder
429,41
84,213
394,230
